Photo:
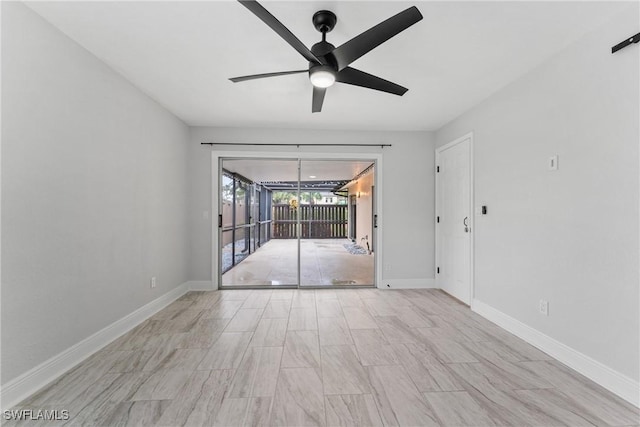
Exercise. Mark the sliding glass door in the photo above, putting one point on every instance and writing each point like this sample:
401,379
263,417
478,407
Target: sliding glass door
286,223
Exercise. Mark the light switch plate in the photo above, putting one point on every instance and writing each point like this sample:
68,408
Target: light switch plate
552,163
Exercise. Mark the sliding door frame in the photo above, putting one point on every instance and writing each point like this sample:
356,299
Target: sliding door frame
217,157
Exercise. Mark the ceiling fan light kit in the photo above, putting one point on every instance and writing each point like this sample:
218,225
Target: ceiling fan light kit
328,64
322,76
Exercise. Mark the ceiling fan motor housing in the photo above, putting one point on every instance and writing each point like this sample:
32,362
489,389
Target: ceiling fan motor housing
323,50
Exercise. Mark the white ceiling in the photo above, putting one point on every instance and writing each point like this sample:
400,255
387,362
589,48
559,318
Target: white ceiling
263,170
182,53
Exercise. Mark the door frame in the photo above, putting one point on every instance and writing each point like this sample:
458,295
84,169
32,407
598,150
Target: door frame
216,161
439,150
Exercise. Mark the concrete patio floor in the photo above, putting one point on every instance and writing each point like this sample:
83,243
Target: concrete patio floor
323,262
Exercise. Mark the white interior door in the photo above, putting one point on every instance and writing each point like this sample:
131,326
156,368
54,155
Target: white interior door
453,212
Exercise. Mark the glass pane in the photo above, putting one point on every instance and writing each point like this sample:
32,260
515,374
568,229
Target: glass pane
243,243
241,203
227,201
263,248
328,257
227,250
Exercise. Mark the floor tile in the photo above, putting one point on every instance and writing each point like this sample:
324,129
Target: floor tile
99,400
446,350
396,331
282,294
232,412
494,392
204,334
199,400
224,309
415,318
277,308
373,348
562,408
398,400
334,331
298,400
303,319
350,298
257,299
301,350
186,359
352,410
227,351
359,318
245,320
269,333
257,373
427,372
457,408
162,385
329,308
604,405
303,299
146,412
69,386
258,411
342,372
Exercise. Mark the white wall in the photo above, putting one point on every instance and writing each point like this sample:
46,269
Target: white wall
570,236
408,234
364,201
94,194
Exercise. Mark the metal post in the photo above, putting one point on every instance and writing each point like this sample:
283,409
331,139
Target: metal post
233,224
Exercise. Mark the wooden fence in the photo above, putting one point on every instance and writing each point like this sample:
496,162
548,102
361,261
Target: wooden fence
317,221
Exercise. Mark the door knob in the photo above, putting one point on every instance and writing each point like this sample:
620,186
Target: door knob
466,224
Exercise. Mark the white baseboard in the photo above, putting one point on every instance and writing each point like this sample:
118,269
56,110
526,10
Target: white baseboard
407,284
31,381
612,380
200,285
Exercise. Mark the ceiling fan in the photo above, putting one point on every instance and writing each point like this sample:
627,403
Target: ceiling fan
329,64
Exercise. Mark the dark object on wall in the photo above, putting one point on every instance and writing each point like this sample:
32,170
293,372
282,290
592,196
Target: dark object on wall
627,42
329,64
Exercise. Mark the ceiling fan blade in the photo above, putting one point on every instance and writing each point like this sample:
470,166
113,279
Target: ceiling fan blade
360,78
279,28
318,99
261,76
348,52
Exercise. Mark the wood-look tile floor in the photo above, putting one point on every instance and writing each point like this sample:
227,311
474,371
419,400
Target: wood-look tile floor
325,357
